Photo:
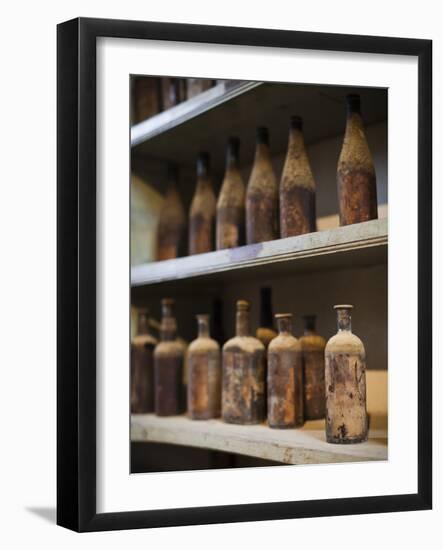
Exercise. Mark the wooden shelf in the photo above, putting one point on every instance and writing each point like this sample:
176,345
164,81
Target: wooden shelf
353,245
294,446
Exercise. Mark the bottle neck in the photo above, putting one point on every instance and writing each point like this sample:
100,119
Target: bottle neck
242,323
203,168
284,324
266,308
168,326
296,140
344,320
143,323
232,155
203,326
309,324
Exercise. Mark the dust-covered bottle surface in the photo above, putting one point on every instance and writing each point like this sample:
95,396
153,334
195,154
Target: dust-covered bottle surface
345,381
313,354
202,211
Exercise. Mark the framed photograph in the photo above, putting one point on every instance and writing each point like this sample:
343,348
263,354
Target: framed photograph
229,199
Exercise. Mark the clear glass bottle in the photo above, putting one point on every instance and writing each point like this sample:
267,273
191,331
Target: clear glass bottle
231,202
356,180
345,380
285,377
204,378
262,195
243,378
142,366
168,365
202,211
297,186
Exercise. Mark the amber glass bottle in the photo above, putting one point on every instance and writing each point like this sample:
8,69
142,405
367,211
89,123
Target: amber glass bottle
297,186
265,332
231,202
142,367
243,386
168,365
202,212
345,379
204,379
262,195
172,220
313,353
356,182
285,377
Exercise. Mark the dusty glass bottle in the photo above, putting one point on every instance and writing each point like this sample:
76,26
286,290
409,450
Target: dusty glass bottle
313,354
262,195
266,332
243,378
202,211
231,202
297,186
142,366
285,377
168,365
345,380
356,180
172,219
204,378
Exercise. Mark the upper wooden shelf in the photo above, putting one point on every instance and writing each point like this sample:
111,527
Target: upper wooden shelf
354,245
295,446
206,121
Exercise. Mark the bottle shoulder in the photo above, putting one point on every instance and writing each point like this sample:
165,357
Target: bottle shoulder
286,342
248,344
203,345
345,342
170,347
355,152
232,192
141,340
312,342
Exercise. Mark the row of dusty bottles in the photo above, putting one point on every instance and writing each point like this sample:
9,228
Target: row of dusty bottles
265,210
277,377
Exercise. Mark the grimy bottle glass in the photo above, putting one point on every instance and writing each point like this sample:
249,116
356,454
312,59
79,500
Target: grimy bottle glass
313,354
345,380
172,219
202,211
243,378
204,378
142,367
297,186
356,181
285,377
262,195
265,332
168,365
231,202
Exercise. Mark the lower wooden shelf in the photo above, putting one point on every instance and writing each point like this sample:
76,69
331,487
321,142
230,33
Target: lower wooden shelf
306,445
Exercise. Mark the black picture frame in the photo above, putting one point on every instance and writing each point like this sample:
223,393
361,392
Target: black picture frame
76,273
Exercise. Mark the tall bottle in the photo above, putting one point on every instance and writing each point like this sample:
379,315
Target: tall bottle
262,195
142,367
313,354
231,202
356,181
297,186
172,220
168,365
202,212
243,386
265,332
204,379
285,377
345,379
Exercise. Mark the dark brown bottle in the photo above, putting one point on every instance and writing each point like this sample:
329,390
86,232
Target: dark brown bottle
171,225
142,367
345,380
204,379
231,202
262,195
285,377
266,332
146,98
243,386
297,186
168,365
356,181
313,353
202,211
